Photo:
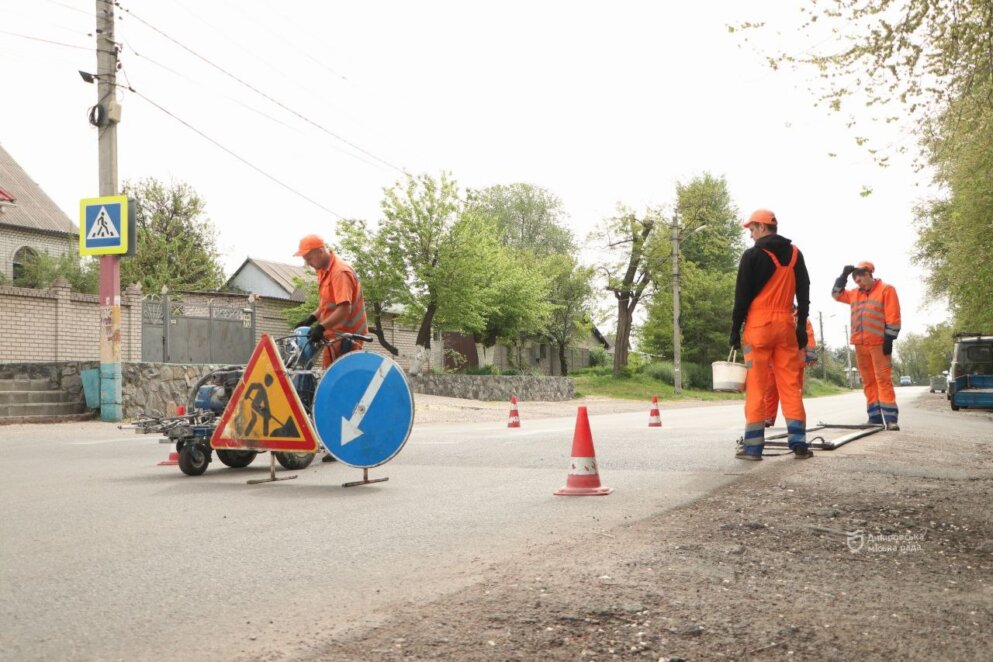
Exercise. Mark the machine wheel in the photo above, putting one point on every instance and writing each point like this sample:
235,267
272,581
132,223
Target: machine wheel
193,459
179,445
236,459
294,461
955,407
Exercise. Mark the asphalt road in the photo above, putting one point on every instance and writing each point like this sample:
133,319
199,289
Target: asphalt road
105,555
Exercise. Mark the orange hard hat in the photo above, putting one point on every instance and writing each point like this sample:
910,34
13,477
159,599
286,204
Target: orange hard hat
763,216
309,243
865,265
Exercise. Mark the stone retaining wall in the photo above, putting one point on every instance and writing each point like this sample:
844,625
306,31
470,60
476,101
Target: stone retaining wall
488,387
156,388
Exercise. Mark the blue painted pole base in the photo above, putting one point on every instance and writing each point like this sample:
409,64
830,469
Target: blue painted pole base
111,392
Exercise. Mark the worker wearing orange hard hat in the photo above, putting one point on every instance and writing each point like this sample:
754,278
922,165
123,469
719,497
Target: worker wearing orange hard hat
806,356
875,325
772,276
341,306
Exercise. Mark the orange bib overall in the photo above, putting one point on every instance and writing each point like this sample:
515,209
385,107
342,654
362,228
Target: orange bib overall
771,351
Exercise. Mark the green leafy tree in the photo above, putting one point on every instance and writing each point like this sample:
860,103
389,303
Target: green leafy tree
710,248
911,352
527,217
456,273
938,345
176,242
40,269
571,297
380,270
633,250
955,232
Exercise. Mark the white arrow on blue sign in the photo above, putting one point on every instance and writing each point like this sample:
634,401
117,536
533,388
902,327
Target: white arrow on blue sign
363,409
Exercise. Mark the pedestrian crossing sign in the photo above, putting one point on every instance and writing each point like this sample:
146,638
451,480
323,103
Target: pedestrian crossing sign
103,225
265,412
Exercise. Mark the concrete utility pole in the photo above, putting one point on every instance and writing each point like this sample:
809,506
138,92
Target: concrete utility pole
677,349
111,392
848,358
820,321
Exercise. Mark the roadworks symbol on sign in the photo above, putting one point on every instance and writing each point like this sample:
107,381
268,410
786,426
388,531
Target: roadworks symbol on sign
265,412
103,227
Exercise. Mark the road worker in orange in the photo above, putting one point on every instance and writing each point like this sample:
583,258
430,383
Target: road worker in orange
875,325
341,306
772,276
806,357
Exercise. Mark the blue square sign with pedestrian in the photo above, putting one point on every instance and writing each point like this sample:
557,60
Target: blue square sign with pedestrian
103,225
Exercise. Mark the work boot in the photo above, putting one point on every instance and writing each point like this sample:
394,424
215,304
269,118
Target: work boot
753,453
802,452
893,427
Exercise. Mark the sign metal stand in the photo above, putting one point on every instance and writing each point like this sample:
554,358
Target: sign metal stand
272,473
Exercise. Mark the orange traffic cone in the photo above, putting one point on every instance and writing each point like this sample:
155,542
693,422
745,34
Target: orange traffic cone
583,480
515,419
654,418
173,460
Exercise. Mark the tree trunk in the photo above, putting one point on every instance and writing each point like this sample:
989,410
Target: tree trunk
625,312
563,366
423,341
377,316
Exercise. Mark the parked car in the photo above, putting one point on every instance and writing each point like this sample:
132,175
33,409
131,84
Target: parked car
971,372
905,380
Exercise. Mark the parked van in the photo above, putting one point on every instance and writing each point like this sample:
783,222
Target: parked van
971,375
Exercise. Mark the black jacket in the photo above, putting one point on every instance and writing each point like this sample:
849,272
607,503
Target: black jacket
755,270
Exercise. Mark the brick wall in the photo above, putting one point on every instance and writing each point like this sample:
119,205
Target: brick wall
13,239
56,324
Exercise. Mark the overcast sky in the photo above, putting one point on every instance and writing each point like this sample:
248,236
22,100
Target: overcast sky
600,103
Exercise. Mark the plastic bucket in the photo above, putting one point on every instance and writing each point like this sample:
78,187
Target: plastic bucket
728,375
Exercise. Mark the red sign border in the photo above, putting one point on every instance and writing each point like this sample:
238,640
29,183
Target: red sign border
218,441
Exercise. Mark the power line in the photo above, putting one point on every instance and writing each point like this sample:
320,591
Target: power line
47,41
260,92
76,9
237,156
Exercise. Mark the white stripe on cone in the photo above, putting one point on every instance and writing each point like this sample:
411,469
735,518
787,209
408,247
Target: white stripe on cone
583,466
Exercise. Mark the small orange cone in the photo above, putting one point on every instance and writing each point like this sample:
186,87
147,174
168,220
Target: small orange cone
584,479
515,419
654,418
173,460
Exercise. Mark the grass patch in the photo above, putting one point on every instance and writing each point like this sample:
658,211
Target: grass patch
639,387
642,386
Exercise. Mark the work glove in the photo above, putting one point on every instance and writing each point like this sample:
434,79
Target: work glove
887,346
847,271
316,333
310,319
735,340
801,336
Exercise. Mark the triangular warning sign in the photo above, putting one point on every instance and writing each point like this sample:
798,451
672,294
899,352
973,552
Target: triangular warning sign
103,227
265,412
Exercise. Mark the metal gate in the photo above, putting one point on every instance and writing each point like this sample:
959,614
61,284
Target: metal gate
175,331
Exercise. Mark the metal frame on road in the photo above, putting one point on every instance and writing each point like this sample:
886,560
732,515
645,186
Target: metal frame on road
858,431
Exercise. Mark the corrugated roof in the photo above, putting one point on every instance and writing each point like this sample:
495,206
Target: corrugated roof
32,208
281,274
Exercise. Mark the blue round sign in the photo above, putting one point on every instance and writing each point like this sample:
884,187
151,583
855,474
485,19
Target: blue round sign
363,409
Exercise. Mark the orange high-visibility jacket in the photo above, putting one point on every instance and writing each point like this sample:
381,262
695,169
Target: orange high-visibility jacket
875,314
338,285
